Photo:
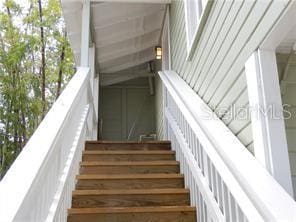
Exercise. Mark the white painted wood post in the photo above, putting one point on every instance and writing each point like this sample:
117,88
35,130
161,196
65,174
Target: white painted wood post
85,33
165,42
270,143
95,89
164,105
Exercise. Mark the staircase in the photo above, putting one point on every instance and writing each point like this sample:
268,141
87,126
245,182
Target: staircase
130,182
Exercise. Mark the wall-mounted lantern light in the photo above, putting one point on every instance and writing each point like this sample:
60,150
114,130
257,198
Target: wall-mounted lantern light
158,52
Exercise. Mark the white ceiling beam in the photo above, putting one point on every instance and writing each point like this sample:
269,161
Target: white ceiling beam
142,68
115,39
135,1
120,67
134,15
121,38
107,81
126,52
125,72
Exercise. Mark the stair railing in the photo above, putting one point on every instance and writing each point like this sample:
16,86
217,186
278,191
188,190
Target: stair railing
38,186
226,182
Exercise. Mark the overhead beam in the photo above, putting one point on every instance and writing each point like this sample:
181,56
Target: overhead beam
116,39
132,15
128,65
126,72
142,68
127,52
136,1
107,81
121,38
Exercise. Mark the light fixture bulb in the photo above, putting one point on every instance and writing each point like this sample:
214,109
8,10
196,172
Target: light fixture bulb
158,52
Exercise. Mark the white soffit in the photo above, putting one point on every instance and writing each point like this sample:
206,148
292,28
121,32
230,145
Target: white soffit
125,34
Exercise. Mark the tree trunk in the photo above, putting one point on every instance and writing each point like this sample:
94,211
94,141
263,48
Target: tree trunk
42,68
24,129
6,140
62,58
8,10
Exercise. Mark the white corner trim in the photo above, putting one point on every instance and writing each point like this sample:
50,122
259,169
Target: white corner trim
270,144
253,77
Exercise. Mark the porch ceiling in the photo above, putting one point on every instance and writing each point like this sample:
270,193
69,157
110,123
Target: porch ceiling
125,34
288,43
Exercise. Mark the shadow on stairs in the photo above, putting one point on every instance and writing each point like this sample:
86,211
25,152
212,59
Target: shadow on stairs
130,182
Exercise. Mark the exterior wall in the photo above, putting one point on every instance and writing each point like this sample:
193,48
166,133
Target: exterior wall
127,110
234,29
288,97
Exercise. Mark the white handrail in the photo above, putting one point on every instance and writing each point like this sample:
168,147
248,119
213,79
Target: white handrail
252,192
38,185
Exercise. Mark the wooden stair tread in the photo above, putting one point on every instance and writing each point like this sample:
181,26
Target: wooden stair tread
128,167
130,181
104,210
126,142
128,176
129,155
130,192
130,198
128,163
128,152
127,145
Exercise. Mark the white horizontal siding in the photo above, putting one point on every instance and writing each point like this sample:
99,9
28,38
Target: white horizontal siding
233,93
245,135
213,45
216,71
250,147
241,101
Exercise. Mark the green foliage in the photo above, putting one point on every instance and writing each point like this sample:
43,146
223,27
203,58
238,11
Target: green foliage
20,67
